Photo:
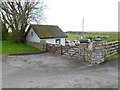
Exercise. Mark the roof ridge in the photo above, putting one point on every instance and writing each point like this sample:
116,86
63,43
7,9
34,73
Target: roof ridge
43,25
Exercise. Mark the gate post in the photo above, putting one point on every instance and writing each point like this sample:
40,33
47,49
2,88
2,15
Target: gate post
61,49
93,52
82,48
98,53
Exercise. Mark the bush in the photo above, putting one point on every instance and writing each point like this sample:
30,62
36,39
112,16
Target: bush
90,37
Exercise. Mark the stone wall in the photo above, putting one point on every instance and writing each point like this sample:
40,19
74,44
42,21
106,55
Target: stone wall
41,45
93,52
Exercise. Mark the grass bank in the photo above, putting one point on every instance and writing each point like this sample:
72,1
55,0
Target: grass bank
11,47
112,56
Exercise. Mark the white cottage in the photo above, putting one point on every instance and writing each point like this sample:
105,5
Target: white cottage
50,33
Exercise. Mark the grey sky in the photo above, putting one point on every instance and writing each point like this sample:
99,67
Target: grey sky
99,15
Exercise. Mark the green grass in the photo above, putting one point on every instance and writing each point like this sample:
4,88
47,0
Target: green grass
108,36
72,36
113,56
11,47
90,36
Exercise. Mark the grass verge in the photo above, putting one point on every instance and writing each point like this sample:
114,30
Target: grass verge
11,47
113,56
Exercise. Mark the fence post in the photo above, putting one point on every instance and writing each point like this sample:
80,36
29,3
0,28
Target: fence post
105,48
118,50
61,49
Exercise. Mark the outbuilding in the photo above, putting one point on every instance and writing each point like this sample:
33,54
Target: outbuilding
50,33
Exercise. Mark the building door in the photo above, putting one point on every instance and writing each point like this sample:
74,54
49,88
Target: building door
58,41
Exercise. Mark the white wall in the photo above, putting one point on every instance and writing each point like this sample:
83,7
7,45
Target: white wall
63,41
35,38
53,41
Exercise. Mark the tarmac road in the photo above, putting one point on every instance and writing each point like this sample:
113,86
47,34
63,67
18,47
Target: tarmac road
48,70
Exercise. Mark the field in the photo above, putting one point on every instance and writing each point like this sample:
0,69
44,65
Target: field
108,36
11,47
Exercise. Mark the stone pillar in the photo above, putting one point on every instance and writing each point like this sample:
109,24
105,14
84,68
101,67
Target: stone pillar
98,52
82,48
92,52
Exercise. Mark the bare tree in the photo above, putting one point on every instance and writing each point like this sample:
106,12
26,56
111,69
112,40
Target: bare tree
17,14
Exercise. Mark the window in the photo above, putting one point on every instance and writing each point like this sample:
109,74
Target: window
58,41
32,33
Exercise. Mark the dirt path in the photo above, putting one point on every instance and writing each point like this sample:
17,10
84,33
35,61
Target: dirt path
50,70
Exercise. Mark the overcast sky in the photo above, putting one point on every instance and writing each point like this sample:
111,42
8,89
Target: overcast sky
99,15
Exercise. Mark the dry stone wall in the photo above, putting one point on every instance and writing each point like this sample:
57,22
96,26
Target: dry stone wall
94,52
41,45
